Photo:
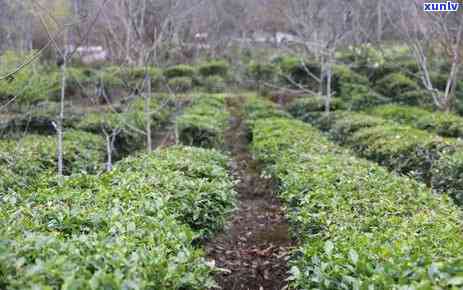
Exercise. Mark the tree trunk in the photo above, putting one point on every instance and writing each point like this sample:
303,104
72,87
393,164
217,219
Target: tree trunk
149,142
328,90
379,25
59,128
109,152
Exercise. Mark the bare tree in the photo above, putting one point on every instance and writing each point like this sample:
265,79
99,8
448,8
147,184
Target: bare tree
322,27
428,33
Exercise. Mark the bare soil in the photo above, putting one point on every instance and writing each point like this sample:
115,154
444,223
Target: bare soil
254,249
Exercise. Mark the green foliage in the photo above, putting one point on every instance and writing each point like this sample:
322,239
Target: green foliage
312,108
401,89
37,120
178,71
120,230
406,150
259,72
294,70
354,89
361,56
343,124
444,124
110,76
115,213
403,149
396,59
214,68
343,74
180,84
361,97
131,123
215,84
78,80
258,108
30,85
203,124
447,175
34,155
136,76
194,181
358,226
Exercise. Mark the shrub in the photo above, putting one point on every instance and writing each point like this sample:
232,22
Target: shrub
403,149
110,76
444,124
312,108
343,74
180,84
362,56
354,89
395,86
194,181
34,154
131,123
362,97
261,73
214,68
343,124
124,229
135,76
30,85
127,140
37,120
179,71
204,123
358,226
78,80
257,108
214,84
119,230
295,71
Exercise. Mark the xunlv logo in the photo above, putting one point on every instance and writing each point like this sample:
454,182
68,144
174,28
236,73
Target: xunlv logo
448,6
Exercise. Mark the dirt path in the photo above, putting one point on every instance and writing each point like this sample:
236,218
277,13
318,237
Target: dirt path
253,250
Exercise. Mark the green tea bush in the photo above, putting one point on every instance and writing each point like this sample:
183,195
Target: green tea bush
429,158
180,84
34,154
203,124
343,124
358,226
179,71
37,120
194,181
215,84
120,230
30,85
398,86
260,73
361,56
444,124
78,80
447,176
342,74
110,76
214,68
127,139
312,108
256,108
403,149
136,75
131,123
295,71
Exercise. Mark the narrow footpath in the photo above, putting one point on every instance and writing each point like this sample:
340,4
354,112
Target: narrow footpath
253,250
